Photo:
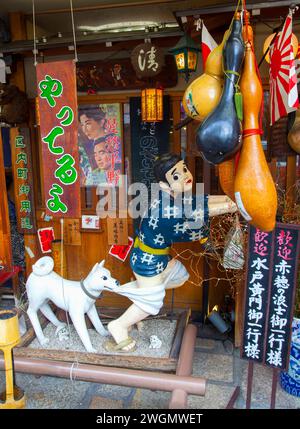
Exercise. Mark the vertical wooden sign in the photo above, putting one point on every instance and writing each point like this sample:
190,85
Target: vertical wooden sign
269,301
257,292
58,123
117,231
23,184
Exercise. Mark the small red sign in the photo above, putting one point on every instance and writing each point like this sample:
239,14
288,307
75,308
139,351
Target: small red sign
46,236
121,252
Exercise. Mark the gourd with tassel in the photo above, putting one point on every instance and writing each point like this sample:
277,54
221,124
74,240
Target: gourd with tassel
204,93
220,135
227,168
255,192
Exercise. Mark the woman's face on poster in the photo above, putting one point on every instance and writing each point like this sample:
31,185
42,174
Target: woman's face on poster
102,156
90,127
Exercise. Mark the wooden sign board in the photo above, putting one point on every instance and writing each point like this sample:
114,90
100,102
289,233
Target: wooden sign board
147,60
269,298
119,75
117,231
23,182
72,235
59,127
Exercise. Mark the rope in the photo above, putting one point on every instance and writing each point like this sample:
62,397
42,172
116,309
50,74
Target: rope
63,289
72,368
34,38
73,31
252,132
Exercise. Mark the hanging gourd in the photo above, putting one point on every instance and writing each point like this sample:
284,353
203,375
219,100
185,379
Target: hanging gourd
227,168
226,177
220,135
294,133
203,94
255,192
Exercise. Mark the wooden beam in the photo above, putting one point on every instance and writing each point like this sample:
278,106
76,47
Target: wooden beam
17,26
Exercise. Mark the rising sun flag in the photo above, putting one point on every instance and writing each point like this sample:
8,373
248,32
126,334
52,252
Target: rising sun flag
283,78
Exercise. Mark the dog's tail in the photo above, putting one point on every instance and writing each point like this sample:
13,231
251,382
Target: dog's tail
43,266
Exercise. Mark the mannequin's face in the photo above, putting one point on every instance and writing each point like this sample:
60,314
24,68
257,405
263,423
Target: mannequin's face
179,178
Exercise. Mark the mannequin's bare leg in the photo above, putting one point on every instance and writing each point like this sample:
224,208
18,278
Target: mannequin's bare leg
119,328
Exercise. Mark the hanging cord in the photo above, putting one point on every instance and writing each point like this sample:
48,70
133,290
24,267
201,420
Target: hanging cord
62,271
76,362
73,30
227,73
34,38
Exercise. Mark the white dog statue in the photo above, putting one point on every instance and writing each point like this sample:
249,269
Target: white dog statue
76,297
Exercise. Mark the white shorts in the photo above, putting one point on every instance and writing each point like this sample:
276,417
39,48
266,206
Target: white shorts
150,299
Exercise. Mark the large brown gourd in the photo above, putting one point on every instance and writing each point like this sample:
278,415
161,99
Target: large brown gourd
255,192
294,133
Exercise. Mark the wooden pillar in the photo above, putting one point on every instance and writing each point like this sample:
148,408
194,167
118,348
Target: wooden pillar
291,175
176,147
18,32
5,243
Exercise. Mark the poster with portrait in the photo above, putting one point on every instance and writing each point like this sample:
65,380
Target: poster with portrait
100,144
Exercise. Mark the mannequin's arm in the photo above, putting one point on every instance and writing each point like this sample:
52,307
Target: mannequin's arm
220,204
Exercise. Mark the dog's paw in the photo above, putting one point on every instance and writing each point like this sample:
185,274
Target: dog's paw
44,341
62,332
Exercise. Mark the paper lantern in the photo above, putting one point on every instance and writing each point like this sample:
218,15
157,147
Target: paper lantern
152,105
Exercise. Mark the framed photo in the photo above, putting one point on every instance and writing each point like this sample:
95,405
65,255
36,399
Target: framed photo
100,144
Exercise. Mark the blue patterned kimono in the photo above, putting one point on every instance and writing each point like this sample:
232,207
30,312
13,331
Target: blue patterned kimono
168,221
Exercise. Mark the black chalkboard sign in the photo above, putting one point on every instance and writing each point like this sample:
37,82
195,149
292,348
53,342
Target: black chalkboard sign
270,291
148,140
257,291
283,282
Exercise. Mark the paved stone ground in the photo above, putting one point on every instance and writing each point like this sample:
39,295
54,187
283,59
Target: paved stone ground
217,361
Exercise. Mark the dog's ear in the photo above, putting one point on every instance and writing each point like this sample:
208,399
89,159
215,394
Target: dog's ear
101,264
94,267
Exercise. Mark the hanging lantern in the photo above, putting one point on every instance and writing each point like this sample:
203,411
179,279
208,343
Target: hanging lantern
152,105
186,55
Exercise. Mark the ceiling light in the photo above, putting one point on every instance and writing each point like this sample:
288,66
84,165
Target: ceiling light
115,25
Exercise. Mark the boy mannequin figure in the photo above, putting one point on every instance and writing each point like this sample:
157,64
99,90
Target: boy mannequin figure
165,222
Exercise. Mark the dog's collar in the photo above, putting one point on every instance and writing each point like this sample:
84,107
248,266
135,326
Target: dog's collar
87,292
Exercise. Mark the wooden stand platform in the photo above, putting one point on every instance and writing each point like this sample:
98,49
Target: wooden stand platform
136,371
122,361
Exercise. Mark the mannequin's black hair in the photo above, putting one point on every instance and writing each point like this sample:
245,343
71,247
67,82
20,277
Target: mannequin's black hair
163,164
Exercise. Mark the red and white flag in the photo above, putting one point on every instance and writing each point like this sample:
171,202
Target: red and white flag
208,44
283,78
